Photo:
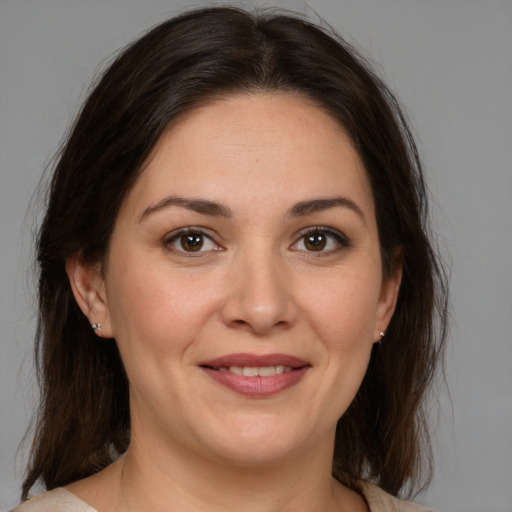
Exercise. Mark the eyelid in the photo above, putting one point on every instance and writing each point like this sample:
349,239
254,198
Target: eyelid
341,239
174,235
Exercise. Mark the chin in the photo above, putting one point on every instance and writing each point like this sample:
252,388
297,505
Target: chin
257,442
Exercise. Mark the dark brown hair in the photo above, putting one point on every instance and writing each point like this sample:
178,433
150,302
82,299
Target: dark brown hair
83,419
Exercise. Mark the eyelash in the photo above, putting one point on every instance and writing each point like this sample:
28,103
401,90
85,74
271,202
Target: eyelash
177,234
340,239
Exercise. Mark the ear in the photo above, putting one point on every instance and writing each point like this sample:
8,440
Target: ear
90,293
388,296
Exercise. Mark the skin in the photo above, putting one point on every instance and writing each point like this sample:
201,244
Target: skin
255,286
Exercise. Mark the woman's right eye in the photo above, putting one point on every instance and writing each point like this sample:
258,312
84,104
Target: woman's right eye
190,241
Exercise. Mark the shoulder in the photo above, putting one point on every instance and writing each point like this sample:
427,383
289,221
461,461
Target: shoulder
57,500
380,501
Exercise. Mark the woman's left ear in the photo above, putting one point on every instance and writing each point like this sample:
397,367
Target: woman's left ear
88,286
388,297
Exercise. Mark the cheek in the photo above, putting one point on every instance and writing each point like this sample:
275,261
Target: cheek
157,318
157,312
341,316
343,311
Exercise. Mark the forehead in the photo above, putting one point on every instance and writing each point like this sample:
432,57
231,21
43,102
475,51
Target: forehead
254,147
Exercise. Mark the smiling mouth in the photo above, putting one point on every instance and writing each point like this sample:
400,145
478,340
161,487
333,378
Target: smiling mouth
256,376
255,371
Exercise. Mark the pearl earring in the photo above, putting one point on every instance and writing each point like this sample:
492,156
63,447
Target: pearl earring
96,327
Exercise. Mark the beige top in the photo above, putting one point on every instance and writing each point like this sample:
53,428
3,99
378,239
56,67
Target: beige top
60,500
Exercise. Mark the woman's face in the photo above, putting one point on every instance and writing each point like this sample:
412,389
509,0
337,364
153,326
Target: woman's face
244,284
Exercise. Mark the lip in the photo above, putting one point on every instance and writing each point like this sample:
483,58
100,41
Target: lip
256,387
247,359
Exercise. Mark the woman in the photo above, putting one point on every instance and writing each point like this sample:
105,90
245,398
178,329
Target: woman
239,302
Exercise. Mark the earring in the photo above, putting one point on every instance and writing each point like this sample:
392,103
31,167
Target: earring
381,334
96,327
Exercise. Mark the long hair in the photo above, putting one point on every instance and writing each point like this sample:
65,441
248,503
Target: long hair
83,421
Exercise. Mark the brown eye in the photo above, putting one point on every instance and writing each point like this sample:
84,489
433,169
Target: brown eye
191,242
325,241
315,241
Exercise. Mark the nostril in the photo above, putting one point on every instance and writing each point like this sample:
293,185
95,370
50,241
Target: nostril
240,323
258,303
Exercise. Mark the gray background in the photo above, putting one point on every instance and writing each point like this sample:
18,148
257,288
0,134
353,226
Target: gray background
450,62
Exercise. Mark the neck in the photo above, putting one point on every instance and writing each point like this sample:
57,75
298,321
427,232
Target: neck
152,476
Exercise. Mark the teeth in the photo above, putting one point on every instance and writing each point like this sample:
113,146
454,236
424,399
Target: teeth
263,371
267,371
250,372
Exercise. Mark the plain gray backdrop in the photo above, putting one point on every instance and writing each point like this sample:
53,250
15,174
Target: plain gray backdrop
449,61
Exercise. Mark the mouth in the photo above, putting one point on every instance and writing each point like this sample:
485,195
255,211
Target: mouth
255,371
256,376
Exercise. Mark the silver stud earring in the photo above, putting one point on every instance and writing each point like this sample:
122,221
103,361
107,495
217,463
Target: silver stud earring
381,334
97,328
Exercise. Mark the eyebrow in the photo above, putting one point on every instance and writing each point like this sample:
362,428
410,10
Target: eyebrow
202,206
322,204
206,207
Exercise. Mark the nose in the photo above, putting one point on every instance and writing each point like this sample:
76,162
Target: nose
259,296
